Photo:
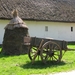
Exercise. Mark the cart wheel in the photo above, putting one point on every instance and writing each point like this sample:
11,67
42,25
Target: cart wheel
33,53
51,51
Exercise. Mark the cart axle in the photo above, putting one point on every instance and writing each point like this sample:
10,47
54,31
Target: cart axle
51,54
38,53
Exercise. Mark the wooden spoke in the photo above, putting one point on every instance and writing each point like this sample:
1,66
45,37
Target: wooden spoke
32,53
51,50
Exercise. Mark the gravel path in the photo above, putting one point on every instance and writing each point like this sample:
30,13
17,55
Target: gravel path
65,73
60,73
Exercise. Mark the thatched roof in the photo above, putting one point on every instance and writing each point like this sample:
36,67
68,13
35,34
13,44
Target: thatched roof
16,22
50,10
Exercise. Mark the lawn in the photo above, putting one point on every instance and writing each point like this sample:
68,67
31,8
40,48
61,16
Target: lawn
21,64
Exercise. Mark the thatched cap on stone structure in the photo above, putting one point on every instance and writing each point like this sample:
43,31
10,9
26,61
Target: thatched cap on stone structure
16,22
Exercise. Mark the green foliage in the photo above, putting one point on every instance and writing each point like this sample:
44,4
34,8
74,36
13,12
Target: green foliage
21,65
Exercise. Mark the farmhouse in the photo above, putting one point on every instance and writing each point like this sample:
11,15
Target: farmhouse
44,18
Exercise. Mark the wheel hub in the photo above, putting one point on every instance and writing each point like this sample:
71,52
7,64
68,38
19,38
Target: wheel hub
51,54
38,52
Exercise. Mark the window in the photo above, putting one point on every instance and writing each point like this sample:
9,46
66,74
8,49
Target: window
71,29
46,28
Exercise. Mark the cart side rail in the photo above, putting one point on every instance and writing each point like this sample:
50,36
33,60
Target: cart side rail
35,41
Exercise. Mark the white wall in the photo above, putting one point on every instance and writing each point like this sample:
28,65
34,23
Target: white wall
56,30
3,23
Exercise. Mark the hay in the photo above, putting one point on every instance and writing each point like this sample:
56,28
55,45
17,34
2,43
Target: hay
13,41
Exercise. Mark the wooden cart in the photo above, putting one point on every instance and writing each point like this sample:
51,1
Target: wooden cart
45,48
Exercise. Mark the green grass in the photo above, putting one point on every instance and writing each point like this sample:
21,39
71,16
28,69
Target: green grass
71,46
21,64
0,49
